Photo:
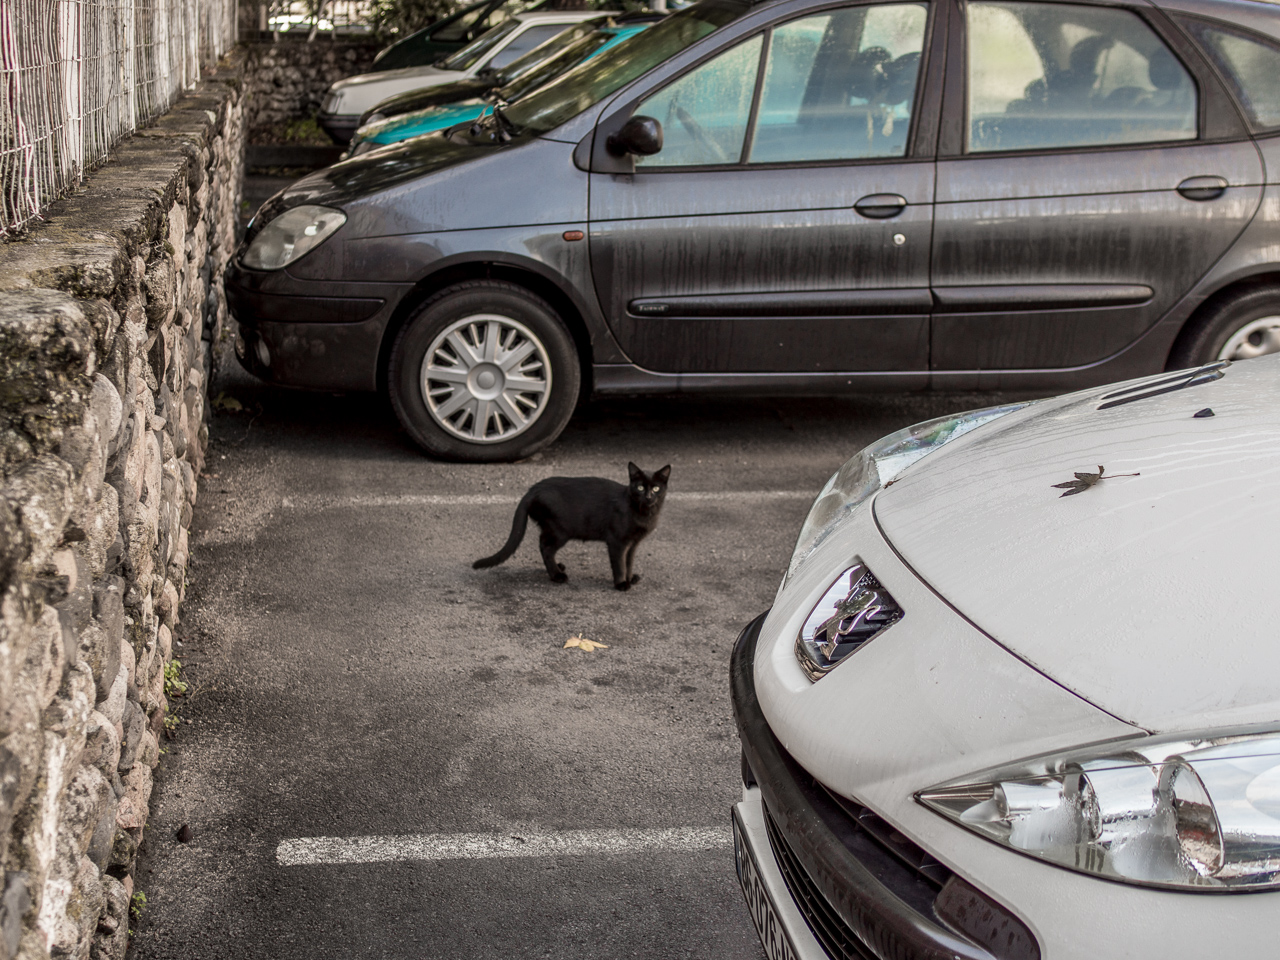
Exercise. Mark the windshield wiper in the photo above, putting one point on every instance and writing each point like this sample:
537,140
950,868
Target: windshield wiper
506,129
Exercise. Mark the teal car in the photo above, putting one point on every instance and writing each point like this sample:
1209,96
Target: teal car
406,125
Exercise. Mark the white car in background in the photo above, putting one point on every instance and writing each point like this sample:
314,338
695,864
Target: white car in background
348,99
1018,696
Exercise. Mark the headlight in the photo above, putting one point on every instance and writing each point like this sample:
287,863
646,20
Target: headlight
1201,814
290,235
877,465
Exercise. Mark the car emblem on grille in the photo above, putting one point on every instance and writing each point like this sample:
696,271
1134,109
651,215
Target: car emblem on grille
854,609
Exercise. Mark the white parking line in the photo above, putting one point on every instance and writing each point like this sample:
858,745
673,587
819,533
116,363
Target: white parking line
310,851
313,503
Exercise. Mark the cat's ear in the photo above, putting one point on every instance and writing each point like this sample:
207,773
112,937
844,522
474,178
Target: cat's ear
637,475
662,475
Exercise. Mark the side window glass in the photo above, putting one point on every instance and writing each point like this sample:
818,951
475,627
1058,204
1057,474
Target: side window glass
704,113
840,85
1044,75
1251,65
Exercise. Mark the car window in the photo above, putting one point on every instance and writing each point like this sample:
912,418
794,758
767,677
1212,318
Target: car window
469,55
1046,75
525,42
704,113
840,85
568,36
1252,67
460,28
590,82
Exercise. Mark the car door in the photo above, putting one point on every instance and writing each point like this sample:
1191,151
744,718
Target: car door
784,225
1091,169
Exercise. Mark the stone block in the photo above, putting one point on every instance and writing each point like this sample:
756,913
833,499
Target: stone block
135,724
15,900
102,743
112,937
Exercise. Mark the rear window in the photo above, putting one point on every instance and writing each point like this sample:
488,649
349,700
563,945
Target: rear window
1250,64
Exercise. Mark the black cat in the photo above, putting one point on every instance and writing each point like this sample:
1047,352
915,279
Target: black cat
589,508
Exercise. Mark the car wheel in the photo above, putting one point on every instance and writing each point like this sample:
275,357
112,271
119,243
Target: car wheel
484,371
1245,324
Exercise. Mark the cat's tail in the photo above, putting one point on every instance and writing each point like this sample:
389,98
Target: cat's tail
518,524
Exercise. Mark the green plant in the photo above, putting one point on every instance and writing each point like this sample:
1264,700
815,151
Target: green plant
136,906
174,685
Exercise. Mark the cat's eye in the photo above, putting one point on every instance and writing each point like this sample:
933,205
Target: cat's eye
655,489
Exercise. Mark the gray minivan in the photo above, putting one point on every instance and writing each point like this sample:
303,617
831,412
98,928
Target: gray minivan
798,196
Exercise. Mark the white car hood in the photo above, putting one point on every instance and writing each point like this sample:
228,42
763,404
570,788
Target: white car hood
1152,597
355,95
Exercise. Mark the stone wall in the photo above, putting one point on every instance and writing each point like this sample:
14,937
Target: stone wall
287,80
108,317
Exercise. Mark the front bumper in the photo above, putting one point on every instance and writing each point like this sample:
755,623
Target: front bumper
861,890
306,334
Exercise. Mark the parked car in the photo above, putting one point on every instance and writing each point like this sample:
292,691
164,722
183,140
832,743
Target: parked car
348,99
452,33
544,65
1017,695
485,81
447,35
790,197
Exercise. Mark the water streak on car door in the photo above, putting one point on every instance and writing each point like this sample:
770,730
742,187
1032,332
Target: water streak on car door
1062,259
751,268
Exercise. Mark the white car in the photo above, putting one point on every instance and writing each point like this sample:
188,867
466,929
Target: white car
1019,693
348,99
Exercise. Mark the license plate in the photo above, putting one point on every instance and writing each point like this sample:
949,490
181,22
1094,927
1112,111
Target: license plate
763,914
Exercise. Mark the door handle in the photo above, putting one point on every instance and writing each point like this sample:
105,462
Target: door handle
1202,188
881,206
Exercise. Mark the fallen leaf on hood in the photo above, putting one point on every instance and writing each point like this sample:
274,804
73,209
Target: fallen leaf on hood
1084,481
582,643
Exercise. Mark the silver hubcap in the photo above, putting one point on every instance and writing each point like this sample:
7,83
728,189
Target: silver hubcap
1254,339
486,378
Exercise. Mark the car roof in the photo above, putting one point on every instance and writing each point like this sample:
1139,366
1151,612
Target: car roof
561,16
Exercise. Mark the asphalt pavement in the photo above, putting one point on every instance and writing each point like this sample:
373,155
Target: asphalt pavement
387,754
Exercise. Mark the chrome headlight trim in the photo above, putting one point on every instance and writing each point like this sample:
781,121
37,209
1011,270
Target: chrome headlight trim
1197,814
875,467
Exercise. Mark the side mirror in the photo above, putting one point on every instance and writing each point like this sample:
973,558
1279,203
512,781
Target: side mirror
640,135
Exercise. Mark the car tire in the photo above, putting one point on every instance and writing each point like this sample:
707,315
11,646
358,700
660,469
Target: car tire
484,372
1240,326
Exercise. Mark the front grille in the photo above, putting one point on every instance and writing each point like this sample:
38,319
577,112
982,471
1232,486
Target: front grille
831,931
924,866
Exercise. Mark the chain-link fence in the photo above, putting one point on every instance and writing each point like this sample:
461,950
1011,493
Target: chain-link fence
77,75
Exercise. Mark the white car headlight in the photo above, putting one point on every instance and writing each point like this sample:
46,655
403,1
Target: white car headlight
877,465
290,235
1196,814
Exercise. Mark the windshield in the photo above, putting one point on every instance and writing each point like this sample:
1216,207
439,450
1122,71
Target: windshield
553,66
589,83
465,58
544,51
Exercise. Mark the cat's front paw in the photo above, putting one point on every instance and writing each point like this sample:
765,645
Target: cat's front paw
559,576
624,585
560,567
635,578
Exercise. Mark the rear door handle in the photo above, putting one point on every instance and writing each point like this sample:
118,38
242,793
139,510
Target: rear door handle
1202,188
881,206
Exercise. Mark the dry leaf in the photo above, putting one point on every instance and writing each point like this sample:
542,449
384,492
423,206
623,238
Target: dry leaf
1084,481
223,402
582,643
